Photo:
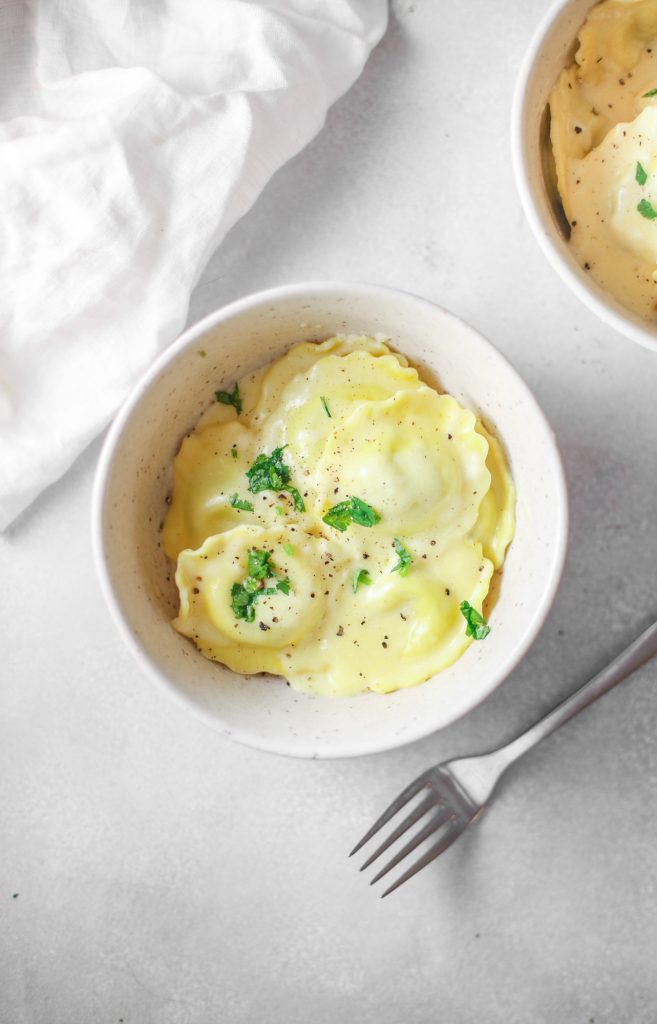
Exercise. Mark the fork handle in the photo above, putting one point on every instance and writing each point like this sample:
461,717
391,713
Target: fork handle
632,658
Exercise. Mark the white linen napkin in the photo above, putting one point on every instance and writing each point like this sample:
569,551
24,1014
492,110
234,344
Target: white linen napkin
133,135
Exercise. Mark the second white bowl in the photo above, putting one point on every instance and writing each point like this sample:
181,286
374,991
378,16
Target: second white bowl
551,49
134,477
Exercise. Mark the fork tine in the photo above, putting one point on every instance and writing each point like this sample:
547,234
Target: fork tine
396,805
443,844
434,823
414,816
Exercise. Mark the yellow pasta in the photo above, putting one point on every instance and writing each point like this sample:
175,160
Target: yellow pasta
331,530
604,138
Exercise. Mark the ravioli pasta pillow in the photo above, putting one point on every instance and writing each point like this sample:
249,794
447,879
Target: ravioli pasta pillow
332,516
603,129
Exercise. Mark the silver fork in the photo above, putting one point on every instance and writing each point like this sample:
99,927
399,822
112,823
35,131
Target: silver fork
456,792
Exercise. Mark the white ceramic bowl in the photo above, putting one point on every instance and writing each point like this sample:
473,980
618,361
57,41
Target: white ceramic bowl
134,478
551,49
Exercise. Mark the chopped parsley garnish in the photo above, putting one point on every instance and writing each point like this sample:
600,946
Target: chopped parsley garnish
236,502
202,354
282,586
244,595
339,516
243,602
353,510
477,626
326,408
297,499
259,563
640,174
279,510
233,451
651,92
270,473
647,210
360,576
362,513
288,549
405,558
230,398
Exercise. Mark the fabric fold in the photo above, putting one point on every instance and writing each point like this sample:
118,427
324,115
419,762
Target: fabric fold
142,134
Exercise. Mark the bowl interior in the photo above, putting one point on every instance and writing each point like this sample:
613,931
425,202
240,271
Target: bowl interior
552,49
134,479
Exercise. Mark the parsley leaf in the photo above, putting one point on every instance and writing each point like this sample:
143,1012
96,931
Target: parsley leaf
353,510
640,174
360,576
297,499
236,502
339,516
230,398
477,626
253,585
243,602
362,513
270,473
647,210
405,558
326,408
288,549
233,451
651,92
282,587
259,564
244,595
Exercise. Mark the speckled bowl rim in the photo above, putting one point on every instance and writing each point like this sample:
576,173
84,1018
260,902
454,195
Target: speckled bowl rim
189,337
607,310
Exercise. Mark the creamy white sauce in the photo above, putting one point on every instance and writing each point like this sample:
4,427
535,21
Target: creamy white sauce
604,139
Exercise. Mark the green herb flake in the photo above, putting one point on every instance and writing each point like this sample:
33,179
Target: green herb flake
353,510
405,558
640,174
477,626
243,602
202,354
297,499
279,510
360,576
288,549
244,595
326,408
339,516
363,514
647,210
270,473
233,451
651,92
230,398
259,563
237,502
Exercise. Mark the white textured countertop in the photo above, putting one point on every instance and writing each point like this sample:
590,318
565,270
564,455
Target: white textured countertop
152,872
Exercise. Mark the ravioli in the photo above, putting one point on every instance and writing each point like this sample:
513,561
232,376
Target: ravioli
416,458
603,127
331,530
206,576
300,418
